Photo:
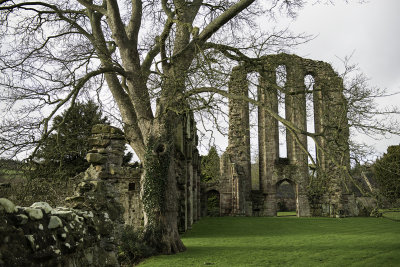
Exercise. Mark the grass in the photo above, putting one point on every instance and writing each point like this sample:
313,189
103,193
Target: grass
287,241
393,214
286,213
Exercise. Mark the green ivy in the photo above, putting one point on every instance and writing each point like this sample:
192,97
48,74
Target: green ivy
316,190
156,175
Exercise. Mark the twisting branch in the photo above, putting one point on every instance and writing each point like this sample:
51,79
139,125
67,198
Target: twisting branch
53,10
89,5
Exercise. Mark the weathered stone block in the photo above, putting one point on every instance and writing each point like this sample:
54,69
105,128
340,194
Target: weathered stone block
98,142
96,158
107,129
22,219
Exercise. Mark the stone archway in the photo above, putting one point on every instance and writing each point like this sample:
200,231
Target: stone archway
286,197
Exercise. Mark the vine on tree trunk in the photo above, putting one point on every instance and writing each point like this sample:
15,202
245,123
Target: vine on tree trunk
157,160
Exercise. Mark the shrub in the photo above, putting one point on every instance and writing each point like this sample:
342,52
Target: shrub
133,247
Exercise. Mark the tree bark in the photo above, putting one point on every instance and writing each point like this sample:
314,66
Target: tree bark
159,186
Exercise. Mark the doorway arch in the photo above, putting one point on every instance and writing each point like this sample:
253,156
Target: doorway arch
213,203
286,197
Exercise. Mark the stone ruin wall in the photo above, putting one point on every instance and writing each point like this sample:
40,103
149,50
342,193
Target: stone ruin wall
86,231
330,122
187,160
235,179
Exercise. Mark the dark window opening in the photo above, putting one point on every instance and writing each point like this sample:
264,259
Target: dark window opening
132,186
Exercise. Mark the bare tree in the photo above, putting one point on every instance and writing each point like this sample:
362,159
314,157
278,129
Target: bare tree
145,51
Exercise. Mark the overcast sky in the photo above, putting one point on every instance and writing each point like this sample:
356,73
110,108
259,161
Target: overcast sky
370,30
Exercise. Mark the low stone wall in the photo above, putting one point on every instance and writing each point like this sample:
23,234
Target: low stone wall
44,236
86,231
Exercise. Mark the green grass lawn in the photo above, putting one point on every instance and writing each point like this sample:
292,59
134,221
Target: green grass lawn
286,213
393,214
287,241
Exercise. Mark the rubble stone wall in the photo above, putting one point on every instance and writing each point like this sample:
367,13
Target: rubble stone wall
85,232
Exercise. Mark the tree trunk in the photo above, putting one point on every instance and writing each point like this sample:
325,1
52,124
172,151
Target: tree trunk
159,187
171,238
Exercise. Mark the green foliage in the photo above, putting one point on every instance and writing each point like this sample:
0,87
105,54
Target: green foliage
133,246
63,153
25,192
157,160
210,166
287,241
282,205
10,169
127,158
213,203
387,173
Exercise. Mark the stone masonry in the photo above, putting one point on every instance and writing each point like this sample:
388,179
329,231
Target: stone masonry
85,232
188,161
235,184
331,131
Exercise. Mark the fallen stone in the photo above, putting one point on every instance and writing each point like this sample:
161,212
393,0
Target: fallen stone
65,214
31,240
96,158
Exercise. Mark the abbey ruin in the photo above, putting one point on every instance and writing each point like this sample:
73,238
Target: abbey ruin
327,174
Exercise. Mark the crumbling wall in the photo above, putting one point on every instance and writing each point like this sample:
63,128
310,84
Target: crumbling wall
235,163
85,233
44,236
187,161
